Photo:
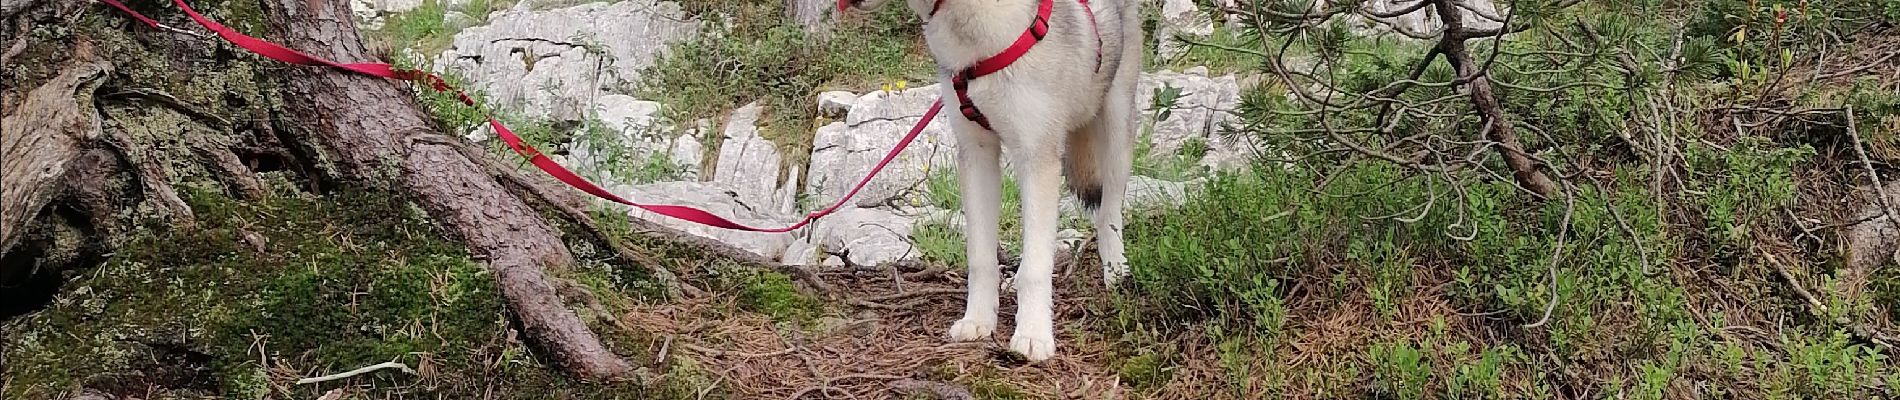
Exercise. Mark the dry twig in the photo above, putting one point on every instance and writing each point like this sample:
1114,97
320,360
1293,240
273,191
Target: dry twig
358,371
1820,309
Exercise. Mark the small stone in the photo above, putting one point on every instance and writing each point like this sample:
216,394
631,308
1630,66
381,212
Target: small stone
836,104
1071,239
802,252
830,325
625,113
1873,244
93,394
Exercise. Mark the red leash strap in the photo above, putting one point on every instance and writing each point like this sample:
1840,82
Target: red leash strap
541,161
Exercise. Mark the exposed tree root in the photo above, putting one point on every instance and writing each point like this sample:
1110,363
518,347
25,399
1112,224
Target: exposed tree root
45,135
230,171
154,179
359,371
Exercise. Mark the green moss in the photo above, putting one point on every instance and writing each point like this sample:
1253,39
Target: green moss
320,283
1146,370
773,293
989,385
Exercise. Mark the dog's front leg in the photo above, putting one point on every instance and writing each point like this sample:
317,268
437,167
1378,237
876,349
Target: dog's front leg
1039,167
979,173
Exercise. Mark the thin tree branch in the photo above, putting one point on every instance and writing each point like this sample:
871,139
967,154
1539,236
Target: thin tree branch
1556,255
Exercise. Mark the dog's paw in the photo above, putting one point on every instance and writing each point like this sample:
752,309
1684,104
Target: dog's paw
1035,348
1114,273
970,330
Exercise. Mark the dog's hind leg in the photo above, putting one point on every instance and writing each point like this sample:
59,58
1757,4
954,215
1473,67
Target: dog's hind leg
1105,149
979,175
1107,143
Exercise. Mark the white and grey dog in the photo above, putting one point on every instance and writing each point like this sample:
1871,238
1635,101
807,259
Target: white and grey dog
1065,108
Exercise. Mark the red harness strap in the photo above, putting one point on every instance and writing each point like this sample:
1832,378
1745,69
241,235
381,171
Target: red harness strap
541,161
1038,29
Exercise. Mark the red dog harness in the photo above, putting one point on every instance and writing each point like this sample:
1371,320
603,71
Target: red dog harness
1038,29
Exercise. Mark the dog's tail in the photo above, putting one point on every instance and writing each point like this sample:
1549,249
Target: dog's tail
1084,166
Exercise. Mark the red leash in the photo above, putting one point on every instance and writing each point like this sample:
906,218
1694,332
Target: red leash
541,161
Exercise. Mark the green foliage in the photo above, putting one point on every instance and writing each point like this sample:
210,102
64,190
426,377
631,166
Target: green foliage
943,190
1484,378
1221,247
1585,89
1401,370
1754,26
426,30
759,56
421,28
1826,365
1886,288
1745,183
938,241
612,156
1184,164
1633,265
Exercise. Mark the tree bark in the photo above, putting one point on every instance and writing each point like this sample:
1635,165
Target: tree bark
374,131
1485,98
41,140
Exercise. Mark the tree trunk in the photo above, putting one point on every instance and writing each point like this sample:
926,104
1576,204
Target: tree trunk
1485,98
375,132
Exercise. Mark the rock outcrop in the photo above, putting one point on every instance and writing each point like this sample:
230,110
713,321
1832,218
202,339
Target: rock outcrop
1204,107
553,64
1180,18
